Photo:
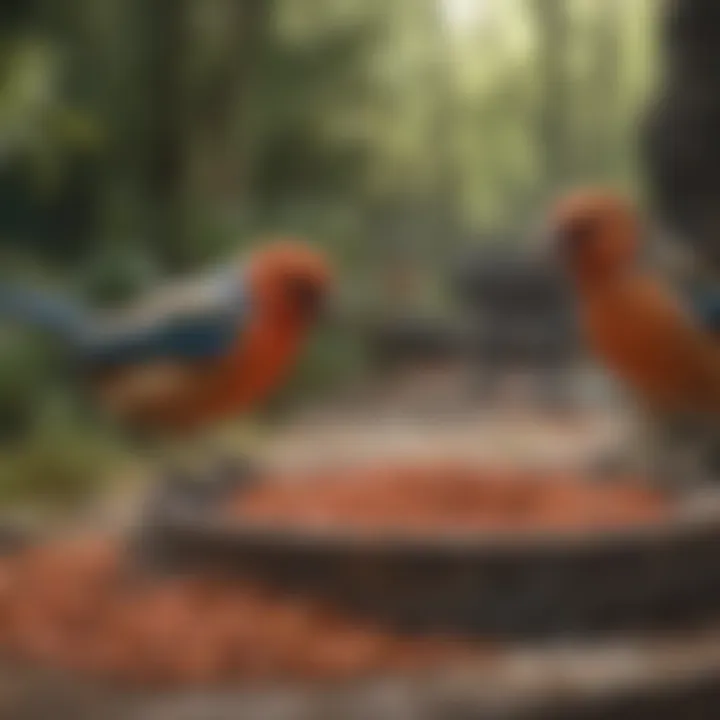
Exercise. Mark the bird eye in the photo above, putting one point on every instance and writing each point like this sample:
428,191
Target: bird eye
580,231
304,292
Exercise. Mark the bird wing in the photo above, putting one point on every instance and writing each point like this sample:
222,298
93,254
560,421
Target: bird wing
191,322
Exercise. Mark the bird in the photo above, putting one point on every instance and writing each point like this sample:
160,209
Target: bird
193,353
661,343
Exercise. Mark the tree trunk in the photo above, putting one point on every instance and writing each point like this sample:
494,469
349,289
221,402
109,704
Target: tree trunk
681,139
167,161
551,17
605,82
223,162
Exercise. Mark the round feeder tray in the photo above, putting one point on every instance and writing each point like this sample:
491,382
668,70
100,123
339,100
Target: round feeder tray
634,678
660,575
637,680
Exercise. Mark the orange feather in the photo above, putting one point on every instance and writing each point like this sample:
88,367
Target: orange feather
183,397
632,321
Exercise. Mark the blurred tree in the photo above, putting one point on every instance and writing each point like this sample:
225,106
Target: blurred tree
553,28
140,137
47,152
213,109
225,99
605,80
168,47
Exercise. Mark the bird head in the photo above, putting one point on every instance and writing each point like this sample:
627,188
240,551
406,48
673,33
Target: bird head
595,233
290,280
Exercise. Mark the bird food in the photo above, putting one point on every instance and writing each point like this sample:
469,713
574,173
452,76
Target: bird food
78,606
448,498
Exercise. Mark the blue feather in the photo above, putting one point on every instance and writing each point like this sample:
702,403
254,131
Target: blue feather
193,323
185,333
184,339
44,310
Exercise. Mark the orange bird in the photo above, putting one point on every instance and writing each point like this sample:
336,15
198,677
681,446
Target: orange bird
666,351
196,353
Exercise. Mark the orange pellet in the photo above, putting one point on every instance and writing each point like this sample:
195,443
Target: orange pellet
77,606
447,498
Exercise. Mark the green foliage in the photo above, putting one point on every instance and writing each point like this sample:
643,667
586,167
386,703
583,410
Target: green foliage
117,274
56,467
140,139
36,121
24,374
61,458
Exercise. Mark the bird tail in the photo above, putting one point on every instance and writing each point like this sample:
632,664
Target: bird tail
43,310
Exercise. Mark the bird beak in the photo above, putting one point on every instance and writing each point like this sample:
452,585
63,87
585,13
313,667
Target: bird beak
549,243
308,298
